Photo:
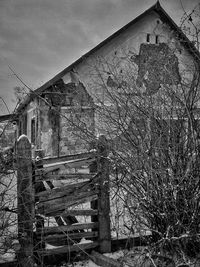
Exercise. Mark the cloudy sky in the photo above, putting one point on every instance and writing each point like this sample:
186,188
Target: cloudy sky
39,38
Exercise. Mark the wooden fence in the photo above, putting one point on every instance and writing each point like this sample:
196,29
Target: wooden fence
86,180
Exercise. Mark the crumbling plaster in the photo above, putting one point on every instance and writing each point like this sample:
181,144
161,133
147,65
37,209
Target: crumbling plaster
61,132
163,50
157,65
129,43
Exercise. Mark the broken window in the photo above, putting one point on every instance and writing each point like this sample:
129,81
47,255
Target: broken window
20,128
25,124
148,37
157,39
33,130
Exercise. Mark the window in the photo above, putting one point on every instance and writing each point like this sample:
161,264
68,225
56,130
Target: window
25,124
157,39
20,128
33,131
148,37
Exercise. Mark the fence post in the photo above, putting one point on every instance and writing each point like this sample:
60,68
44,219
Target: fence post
39,220
94,203
25,197
104,199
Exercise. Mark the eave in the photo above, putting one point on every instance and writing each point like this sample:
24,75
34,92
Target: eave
8,117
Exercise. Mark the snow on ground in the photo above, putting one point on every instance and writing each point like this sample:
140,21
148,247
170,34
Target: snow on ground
87,263
129,258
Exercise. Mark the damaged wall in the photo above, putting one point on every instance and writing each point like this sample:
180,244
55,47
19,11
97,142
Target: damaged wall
65,119
157,65
60,121
150,35
77,120
77,130
49,126
157,58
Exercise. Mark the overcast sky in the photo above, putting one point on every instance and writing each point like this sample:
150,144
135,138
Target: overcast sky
39,38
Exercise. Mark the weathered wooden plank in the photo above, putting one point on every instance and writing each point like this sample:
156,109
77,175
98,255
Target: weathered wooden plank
104,200
66,228
88,212
94,204
104,261
68,190
50,208
67,164
78,212
59,238
25,196
67,219
62,197
53,160
61,191
49,177
69,249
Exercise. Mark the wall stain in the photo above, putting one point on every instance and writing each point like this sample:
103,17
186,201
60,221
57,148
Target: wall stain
157,64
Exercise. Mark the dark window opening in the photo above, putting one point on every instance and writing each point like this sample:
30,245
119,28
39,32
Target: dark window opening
20,128
148,37
24,123
33,130
157,39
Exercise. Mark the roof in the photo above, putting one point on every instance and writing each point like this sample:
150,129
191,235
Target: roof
164,17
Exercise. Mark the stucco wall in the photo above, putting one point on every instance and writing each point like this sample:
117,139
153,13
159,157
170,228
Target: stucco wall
125,46
168,63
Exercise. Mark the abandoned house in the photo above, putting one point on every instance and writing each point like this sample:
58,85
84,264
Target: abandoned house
152,41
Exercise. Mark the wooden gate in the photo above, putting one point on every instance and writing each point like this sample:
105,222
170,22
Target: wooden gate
84,191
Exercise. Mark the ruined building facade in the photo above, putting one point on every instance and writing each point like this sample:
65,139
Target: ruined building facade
60,116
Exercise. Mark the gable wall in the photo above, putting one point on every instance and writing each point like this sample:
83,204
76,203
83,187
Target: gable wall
133,39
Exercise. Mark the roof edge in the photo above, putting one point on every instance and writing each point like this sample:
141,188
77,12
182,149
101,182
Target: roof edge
8,117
